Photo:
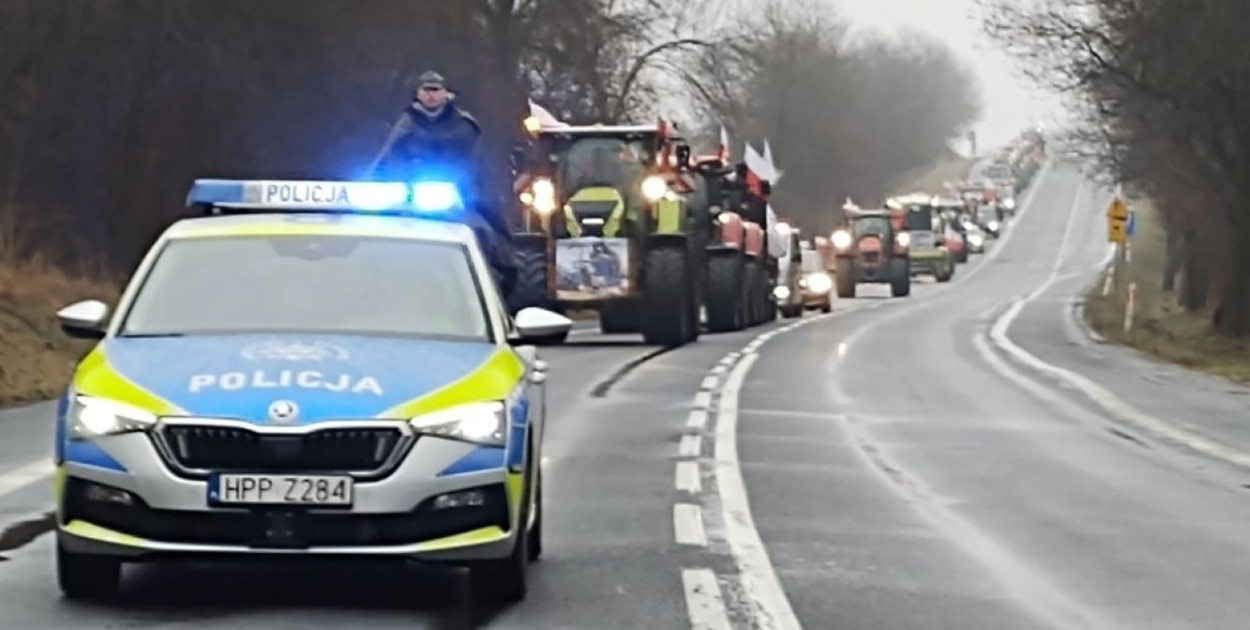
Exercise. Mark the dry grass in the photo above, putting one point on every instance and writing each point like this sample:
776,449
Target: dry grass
932,179
1160,326
36,359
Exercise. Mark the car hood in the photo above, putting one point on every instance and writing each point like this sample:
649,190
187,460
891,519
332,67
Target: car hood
326,377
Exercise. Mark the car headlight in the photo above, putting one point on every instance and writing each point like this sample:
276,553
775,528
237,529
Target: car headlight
976,240
903,239
819,282
95,417
479,423
993,225
841,239
654,187
781,293
1010,204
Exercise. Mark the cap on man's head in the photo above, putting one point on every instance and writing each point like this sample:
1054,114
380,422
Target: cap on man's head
431,78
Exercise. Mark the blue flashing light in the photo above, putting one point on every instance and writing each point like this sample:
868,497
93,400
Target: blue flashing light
431,196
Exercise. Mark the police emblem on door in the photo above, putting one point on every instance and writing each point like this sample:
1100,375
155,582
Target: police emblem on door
283,411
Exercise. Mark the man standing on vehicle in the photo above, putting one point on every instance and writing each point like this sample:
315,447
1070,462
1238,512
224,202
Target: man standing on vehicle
434,133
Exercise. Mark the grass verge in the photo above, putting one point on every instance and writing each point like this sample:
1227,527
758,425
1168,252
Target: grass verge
36,359
1160,326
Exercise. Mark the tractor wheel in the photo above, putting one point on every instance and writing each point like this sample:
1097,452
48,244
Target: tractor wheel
963,254
900,277
845,278
751,296
619,318
947,270
725,306
666,297
531,281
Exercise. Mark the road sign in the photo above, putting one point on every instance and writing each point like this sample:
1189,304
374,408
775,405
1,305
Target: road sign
1118,210
1118,221
1117,232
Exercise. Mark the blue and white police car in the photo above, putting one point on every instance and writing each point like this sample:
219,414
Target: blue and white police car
312,368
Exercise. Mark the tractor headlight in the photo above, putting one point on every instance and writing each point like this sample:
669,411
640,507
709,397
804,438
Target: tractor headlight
543,196
94,417
903,239
479,423
781,293
841,239
654,187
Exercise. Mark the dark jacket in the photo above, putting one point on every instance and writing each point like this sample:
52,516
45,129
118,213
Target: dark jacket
447,142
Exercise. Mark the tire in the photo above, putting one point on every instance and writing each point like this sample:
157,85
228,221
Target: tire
666,297
725,304
619,318
827,307
845,278
900,277
87,577
790,312
950,271
963,255
531,281
506,581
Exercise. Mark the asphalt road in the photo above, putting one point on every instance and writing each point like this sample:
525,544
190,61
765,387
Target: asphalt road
902,463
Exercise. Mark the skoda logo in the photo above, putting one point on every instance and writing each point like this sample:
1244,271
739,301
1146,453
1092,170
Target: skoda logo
283,411
284,351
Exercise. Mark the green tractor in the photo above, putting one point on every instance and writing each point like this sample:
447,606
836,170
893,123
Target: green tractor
925,228
607,228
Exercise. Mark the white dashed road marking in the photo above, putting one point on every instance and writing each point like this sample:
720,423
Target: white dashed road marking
688,525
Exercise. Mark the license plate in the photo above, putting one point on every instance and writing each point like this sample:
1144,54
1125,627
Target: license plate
311,490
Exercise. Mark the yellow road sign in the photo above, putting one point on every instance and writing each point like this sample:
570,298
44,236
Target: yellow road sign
1117,230
1118,210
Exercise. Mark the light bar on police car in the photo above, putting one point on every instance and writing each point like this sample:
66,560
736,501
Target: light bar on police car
299,195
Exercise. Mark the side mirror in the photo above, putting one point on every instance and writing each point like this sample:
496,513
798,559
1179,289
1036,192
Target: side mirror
537,323
740,169
766,187
84,320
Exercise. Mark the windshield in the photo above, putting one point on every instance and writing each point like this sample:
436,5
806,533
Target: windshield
919,220
812,262
998,172
872,225
310,284
602,162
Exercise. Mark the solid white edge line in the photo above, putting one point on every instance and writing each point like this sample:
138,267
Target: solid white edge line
770,607
686,477
688,525
704,602
18,478
690,446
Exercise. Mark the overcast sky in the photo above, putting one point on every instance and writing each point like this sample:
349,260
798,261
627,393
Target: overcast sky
1011,102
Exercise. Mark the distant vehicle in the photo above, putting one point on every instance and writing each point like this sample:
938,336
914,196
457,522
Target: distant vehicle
926,227
872,247
816,286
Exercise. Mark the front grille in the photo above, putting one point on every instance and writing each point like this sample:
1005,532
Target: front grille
871,257
237,449
592,209
303,527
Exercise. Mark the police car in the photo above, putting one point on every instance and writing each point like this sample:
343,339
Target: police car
312,368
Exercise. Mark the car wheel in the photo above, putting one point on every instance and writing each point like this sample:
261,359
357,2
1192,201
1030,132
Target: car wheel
827,307
87,576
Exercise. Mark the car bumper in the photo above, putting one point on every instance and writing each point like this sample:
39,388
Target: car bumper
815,299
395,516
